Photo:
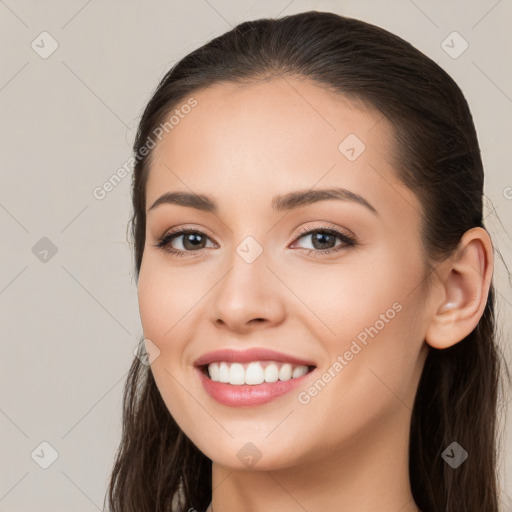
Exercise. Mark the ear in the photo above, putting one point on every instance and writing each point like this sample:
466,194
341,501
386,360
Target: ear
465,279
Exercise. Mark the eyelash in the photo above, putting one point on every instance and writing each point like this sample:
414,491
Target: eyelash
347,240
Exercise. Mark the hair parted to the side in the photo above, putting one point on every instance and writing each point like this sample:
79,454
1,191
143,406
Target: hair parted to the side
437,156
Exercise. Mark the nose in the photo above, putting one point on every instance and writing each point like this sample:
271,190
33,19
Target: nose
248,297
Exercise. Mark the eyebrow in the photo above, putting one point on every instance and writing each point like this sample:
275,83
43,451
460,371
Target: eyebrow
279,203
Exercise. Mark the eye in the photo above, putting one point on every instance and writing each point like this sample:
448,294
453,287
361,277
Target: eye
193,241
323,238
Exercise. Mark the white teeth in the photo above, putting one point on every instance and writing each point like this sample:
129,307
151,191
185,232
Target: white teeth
285,372
213,370
271,373
254,373
223,372
236,374
299,371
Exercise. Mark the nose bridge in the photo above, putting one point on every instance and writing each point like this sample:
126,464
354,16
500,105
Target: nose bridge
246,293
250,250
247,270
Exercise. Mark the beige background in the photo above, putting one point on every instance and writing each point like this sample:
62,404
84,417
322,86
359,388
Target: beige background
70,320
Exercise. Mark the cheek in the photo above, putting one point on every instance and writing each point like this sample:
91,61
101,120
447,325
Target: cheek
166,305
340,300
166,295
377,322
369,312
370,372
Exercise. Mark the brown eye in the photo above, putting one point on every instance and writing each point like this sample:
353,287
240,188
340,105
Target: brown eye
191,241
324,240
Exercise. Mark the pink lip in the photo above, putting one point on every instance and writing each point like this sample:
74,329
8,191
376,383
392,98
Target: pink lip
246,356
247,395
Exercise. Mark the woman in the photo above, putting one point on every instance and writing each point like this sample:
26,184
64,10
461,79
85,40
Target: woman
314,282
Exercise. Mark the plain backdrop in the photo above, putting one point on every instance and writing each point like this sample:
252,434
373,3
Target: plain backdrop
74,79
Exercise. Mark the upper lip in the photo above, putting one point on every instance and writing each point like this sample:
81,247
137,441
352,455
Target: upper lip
246,356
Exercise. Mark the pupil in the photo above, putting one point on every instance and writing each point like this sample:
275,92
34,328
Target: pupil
194,239
321,237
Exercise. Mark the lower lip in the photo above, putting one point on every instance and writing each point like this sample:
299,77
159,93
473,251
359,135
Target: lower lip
243,395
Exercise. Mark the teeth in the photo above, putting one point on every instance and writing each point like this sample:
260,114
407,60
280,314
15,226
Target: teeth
255,372
299,371
236,374
223,372
271,373
285,372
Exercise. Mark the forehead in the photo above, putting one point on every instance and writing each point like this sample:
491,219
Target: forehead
269,137
285,115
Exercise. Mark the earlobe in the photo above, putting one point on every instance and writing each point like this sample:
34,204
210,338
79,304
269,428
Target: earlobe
466,281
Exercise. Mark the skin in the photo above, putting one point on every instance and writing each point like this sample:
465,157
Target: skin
347,449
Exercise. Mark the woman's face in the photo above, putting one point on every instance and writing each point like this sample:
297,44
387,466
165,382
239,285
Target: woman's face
254,278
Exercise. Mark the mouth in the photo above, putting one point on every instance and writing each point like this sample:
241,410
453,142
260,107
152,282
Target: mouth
253,373
251,377
251,384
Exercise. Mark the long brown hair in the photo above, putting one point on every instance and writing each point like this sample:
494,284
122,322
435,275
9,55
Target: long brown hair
437,156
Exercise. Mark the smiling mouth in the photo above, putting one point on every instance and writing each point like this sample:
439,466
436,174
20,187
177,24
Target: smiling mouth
254,373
